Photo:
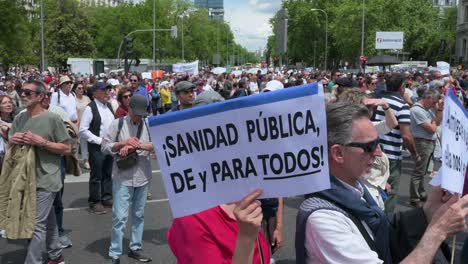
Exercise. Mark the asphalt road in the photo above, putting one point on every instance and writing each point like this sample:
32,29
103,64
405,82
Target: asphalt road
90,233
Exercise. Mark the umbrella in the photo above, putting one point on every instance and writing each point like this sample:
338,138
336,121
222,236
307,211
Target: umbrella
383,60
218,70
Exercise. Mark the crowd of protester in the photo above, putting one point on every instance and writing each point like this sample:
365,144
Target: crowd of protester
102,118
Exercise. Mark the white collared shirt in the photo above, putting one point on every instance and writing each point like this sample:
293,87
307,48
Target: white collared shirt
67,103
331,237
106,119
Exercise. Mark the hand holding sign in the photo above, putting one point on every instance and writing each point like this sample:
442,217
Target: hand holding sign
248,213
449,219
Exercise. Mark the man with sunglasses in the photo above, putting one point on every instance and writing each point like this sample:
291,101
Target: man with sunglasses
138,87
344,224
97,117
46,132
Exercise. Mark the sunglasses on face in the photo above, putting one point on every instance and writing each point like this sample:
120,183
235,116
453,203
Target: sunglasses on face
373,83
368,147
134,80
27,92
79,88
127,96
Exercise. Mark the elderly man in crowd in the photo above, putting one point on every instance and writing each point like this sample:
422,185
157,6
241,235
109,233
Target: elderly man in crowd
344,225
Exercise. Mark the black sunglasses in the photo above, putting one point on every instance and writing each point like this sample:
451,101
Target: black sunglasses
134,80
126,96
368,147
27,92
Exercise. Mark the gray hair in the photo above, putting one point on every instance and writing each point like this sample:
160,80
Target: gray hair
40,86
340,117
433,93
436,84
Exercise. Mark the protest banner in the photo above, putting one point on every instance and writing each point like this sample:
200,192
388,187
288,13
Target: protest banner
146,75
189,68
452,174
443,67
218,153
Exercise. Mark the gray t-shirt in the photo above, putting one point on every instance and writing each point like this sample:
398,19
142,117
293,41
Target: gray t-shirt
49,126
419,116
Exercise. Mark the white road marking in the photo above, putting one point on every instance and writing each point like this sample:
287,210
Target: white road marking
86,208
85,177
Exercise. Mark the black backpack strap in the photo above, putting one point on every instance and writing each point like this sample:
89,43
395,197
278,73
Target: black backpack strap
356,221
140,128
121,120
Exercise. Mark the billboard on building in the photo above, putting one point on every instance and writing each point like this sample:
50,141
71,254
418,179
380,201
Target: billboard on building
389,40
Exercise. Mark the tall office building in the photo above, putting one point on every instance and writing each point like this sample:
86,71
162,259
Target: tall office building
215,7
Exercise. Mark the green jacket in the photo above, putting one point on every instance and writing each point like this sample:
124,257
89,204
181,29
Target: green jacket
18,192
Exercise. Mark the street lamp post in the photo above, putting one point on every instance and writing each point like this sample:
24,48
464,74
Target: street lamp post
42,37
362,31
154,33
326,33
184,14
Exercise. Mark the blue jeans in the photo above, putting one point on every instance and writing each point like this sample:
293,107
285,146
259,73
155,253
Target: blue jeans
123,197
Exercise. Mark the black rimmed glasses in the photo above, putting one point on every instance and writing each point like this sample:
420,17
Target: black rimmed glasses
27,92
368,147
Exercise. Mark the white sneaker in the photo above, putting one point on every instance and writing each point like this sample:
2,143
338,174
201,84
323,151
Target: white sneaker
272,261
2,233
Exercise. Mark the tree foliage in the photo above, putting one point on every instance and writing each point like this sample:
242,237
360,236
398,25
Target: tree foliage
66,32
73,30
15,44
426,35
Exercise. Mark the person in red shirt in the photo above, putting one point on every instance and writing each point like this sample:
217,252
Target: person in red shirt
123,97
229,233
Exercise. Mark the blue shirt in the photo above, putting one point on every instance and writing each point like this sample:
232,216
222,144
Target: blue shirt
142,91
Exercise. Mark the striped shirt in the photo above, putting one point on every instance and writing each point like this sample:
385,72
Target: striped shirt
392,142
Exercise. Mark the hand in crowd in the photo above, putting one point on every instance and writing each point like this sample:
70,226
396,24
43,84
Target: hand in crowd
418,160
133,142
27,138
374,102
449,218
125,150
277,239
440,104
388,188
248,213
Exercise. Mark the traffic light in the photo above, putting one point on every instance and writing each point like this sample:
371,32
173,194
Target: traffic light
128,44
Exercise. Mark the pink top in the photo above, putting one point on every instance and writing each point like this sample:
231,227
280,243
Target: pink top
209,237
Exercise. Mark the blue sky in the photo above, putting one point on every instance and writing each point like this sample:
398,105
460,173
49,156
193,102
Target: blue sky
249,20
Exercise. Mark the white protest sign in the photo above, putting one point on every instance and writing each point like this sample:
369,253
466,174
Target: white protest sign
146,75
451,176
218,153
443,67
190,68
389,40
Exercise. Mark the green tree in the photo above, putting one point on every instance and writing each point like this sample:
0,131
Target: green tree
15,39
67,32
416,18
